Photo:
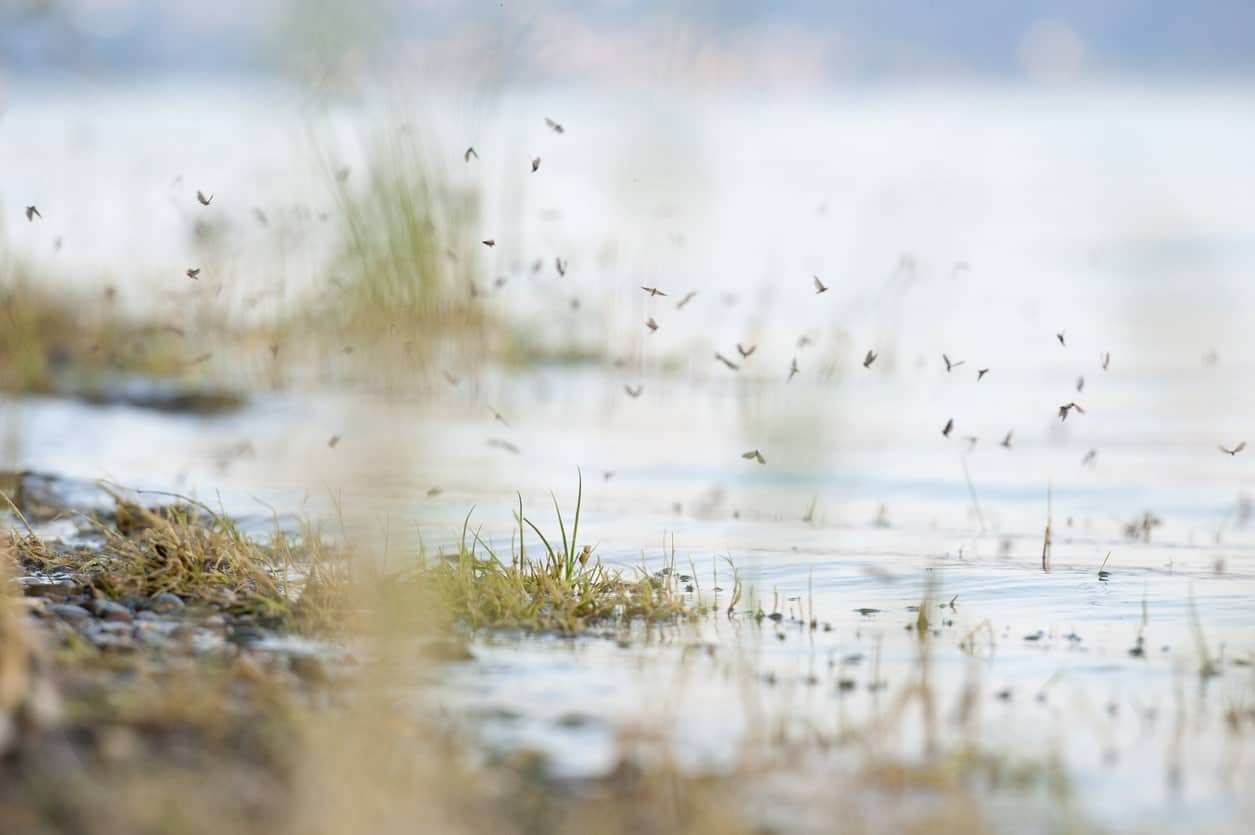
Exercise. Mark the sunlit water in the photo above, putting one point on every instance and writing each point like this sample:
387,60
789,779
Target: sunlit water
1119,217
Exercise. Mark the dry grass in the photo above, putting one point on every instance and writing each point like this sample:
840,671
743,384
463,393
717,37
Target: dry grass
200,556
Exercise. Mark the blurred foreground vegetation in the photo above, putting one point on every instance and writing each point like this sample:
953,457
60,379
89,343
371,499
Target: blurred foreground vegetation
178,736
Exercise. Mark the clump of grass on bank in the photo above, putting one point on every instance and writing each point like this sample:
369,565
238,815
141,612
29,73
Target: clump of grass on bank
198,555
564,588
303,582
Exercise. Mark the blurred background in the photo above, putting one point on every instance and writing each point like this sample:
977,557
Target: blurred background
617,41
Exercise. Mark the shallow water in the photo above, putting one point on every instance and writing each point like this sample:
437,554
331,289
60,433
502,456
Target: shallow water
1118,216
1053,676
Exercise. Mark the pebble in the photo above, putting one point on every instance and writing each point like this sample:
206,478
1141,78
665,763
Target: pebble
244,635
47,588
108,610
70,612
154,639
574,719
165,602
308,668
115,643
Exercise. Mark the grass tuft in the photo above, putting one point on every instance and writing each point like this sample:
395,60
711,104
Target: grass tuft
566,590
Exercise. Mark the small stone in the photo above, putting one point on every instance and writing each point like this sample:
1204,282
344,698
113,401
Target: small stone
309,668
108,610
574,719
165,603
244,635
113,643
152,639
70,612
35,587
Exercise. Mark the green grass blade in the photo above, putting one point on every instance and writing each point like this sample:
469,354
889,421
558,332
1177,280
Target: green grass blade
466,523
548,547
575,526
566,549
522,547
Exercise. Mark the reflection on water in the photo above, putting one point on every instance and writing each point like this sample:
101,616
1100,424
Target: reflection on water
1116,217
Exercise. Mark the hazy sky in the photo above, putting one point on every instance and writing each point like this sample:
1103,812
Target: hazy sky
733,41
